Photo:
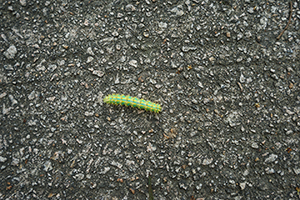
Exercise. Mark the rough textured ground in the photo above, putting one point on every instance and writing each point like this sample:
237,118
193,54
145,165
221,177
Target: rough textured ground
230,93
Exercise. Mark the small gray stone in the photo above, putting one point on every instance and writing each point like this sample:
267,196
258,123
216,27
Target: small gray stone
5,110
162,25
89,59
12,99
88,114
10,52
246,172
61,62
109,49
120,15
2,159
250,10
271,158
48,166
186,49
32,122
206,100
254,145
263,21
23,2
192,134
90,51
290,69
78,177
248,34
232,119
8,67
151,148
98,73
239,36
238,197
249,80
183,186
297,171
133,63
174,65
152,81
115,33
243,185
177,11
105,170
15,161
198,187
239,59
207,124
130,7
31,95
273,9
3,95
40,68
207,161
116,164
52,67
242,129
269,170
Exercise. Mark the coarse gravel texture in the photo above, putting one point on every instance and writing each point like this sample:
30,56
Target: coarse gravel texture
229,90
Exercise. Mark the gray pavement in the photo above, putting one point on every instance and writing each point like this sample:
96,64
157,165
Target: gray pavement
228,87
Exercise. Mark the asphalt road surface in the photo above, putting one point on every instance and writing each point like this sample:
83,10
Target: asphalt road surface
226,74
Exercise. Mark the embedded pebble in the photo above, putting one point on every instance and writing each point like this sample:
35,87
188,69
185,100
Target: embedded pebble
177,11
254,145
105,170
78,177
183,186
89,59
207,161
15,161
3,159
3,95
186,48
10,52
23,2
90,51
271,158
243,185
133,63
48,166
297,171
228,34
98,73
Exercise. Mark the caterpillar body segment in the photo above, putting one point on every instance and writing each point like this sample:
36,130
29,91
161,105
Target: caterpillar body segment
120,99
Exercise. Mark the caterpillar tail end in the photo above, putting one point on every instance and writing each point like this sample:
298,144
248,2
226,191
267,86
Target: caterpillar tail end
106,99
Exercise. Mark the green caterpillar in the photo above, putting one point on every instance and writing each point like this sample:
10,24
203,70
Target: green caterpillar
120,99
